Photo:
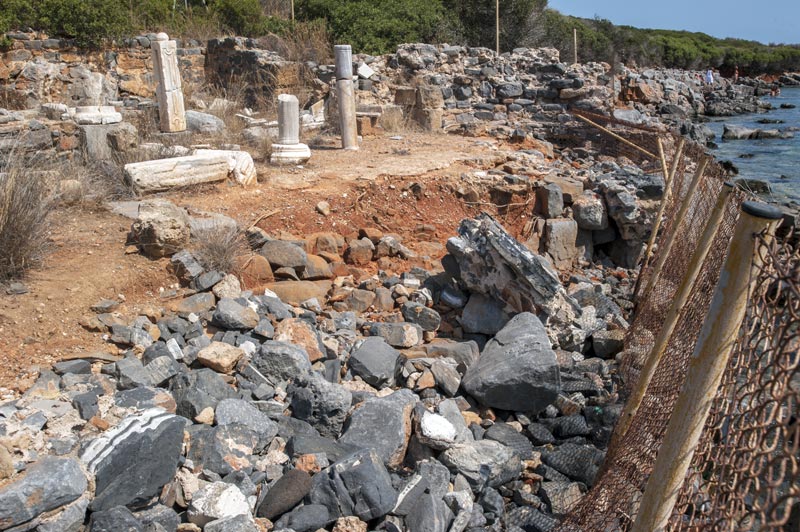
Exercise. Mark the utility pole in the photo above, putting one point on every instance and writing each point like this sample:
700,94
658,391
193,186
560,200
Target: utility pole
497,25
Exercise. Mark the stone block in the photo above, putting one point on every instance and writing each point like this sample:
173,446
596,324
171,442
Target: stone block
560,239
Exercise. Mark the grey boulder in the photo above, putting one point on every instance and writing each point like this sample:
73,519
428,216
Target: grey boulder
230,314
231,411
382,424
356,485
198,390
322,404
375,361
482,463
281,361
133,461
203,122
48,484
483,315
517,369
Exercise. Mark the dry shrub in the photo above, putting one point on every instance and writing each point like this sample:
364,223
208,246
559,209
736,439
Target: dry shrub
25,204
309,41
219,247
202,28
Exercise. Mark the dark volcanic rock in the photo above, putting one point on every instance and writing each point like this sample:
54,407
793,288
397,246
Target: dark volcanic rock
285,494
132,461
382,424
493,263
231,411
223,449
375,361
357,485
116,519
324,405
517,370
484,462
425,317
230,314
48,484
305,518
198,390
281,361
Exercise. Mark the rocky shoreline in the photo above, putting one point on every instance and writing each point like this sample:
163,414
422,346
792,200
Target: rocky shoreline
353,390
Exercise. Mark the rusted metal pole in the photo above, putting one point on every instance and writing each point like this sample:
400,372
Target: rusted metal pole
671,319
663,254
619,138
706,368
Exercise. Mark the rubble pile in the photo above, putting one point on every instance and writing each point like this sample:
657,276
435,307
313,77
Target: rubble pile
476,396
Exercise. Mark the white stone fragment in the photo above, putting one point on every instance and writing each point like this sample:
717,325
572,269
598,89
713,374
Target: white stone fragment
365,72
438,428
217,501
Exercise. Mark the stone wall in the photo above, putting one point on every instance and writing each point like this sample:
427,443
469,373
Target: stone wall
36,69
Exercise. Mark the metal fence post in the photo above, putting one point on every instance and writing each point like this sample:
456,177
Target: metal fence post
706,367
671,318
663,254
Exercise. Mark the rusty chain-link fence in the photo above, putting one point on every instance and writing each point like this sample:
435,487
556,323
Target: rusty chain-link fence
745,474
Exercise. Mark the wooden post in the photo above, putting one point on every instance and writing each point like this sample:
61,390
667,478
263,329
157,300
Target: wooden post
663,254
614,135
671,319
292,6
497,26
669,175
575,44
706,368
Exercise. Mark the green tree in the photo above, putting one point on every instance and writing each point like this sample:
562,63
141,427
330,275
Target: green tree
377,26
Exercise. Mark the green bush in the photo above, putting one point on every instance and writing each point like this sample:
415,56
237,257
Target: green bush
378,26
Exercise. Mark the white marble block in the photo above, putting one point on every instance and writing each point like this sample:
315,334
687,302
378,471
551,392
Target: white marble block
171,112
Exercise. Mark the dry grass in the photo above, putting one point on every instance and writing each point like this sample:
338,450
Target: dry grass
25,204
309,41
396,121
219,247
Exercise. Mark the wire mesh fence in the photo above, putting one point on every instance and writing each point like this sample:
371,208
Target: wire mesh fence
745,472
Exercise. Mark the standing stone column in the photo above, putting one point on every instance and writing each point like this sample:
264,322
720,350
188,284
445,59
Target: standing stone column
288,149
346,94
171,113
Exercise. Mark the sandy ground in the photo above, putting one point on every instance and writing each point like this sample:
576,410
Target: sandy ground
370,187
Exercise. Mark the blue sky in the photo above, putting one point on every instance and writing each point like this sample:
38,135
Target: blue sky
772,21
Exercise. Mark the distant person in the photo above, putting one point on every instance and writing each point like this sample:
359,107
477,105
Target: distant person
709,77
736,74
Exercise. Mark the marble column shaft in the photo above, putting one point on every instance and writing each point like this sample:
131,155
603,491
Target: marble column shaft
346,93
171,112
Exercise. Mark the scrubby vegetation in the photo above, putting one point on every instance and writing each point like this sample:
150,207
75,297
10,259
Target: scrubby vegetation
25,203
378,26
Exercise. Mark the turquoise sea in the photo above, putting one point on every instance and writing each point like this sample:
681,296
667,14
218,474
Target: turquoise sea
774,160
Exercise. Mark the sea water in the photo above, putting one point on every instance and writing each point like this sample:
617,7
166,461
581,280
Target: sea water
776,161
